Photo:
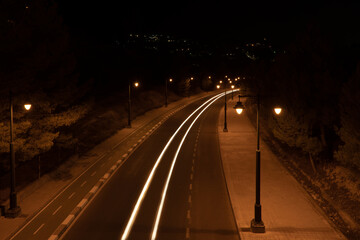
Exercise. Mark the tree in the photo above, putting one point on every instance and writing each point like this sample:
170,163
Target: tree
36,64
349,132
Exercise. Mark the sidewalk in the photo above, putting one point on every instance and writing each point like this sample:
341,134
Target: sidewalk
35,196
288,212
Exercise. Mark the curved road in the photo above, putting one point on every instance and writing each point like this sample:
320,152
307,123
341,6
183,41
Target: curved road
196,204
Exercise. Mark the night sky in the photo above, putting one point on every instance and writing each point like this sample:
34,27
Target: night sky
205,20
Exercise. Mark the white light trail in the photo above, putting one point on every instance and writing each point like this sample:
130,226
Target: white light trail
149,179
161,205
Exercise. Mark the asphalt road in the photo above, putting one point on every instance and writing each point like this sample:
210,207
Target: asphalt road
196,205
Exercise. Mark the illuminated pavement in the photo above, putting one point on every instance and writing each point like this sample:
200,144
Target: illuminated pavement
288,212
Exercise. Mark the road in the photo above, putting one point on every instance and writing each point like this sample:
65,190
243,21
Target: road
196,203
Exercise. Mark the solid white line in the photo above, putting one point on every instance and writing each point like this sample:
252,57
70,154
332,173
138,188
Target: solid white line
57,210
149,179
161,205
38,228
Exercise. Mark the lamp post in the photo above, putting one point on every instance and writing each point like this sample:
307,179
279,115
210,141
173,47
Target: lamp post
257,225
166,91
136,84
225,123
14,209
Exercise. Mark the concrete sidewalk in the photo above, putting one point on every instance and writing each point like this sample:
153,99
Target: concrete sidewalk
36,195
288,212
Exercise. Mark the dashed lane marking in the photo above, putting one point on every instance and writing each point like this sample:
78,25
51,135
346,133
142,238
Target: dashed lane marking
71,195
57,210
83,184
93,174
38,228
187,235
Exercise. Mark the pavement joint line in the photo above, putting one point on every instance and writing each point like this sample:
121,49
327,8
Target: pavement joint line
38,229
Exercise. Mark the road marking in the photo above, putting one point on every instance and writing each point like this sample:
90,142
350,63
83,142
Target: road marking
192,168
166,185
187,235
71,195
191,176
150,177
190,186
189,200
102,165
83,184
188,216
38,228
68,219
106,175
94,189
93,174
57,210
82,203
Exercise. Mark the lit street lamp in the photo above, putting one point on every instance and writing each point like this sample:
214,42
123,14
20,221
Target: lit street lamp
136,84
14,209
257,225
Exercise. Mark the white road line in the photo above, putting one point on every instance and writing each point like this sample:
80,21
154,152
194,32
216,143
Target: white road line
149,179
191,176
83,184
71,195
94,189
38,228
82,203
190,186
188,216
93,174
57,210
187,235
189,199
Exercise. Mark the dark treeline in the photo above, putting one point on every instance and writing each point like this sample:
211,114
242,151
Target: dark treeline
317,82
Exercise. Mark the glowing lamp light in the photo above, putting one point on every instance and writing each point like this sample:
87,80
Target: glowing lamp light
170,80
277,110
232,86
136,84
239,110
239,107
27,106
220,81
217,86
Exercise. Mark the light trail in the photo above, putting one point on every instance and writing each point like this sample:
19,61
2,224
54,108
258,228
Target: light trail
161,205
149,179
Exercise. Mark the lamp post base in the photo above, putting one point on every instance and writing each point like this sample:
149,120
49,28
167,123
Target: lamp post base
257,227
13,212
225,130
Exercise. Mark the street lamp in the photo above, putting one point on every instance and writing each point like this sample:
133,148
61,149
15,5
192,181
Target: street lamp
218,86
225,108
257,225
166,91
14,209
136,84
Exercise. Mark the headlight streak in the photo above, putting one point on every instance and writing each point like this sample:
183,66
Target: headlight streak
149,179
161,205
